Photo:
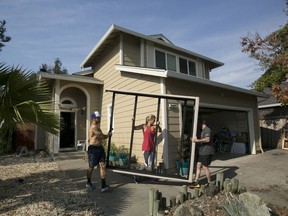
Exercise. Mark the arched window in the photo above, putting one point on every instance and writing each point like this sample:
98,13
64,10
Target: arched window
67,103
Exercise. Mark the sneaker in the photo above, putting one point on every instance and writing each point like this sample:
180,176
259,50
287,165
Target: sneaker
90,186
135,178
194,184
142,167
107,188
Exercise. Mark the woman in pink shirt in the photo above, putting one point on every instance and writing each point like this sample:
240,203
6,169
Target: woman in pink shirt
149,131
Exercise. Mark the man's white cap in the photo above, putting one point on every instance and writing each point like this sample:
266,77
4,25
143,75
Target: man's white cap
95,114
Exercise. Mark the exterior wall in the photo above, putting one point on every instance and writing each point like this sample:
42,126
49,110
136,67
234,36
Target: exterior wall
131,51
124,104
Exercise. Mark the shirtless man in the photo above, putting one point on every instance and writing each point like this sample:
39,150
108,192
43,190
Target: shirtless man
96,153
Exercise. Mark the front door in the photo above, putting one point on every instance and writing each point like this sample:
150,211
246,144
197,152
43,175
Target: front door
67,134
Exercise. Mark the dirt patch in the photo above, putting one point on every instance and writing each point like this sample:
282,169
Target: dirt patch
35,185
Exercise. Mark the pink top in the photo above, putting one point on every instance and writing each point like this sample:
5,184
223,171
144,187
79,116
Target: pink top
148,140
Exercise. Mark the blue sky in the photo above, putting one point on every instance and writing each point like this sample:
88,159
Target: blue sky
43,30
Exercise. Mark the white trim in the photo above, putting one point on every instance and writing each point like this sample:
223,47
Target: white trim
215,106
109,109
164,123
269,105
141,70
252,146
121,57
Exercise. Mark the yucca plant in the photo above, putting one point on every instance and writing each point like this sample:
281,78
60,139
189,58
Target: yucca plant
23,100
234,207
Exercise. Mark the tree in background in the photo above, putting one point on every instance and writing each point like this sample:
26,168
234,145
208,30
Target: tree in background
272,54
23,100
55,69
3,37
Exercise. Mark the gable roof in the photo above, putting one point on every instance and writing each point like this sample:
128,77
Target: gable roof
114,30
161,37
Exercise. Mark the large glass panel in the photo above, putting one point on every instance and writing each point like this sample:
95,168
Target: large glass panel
183,66
160,59
192,68
171,62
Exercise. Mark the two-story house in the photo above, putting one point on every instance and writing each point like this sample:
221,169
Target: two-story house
129,61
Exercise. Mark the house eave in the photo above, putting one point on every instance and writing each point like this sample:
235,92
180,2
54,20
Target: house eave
115,28
69,77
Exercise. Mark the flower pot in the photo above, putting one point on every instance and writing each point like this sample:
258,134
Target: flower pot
183,168
112,159
122,161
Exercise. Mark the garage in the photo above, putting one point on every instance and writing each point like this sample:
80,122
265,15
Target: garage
230,129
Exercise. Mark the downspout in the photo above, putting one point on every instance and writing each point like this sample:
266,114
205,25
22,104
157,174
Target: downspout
164,123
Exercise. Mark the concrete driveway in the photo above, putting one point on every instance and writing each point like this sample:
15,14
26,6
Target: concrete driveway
263,174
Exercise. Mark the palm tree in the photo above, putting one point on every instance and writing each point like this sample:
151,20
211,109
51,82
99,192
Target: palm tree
23,100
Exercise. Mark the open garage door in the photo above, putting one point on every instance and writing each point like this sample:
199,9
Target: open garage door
230,129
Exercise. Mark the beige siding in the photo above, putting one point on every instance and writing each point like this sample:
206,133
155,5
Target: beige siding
131,50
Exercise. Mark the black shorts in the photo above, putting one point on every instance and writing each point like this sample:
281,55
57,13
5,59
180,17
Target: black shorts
96,155
205,159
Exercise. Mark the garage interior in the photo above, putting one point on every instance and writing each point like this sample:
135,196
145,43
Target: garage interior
230,129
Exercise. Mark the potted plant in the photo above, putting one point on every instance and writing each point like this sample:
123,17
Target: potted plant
184,151
112,153
123,153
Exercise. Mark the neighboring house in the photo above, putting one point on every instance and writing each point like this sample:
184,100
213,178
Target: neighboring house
273,119
130,61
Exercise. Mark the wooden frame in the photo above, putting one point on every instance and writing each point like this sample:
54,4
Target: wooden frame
180,98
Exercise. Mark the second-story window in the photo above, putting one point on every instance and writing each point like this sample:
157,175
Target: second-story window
171,62
165,61
160,59
192,68
187,67
168,61
183,66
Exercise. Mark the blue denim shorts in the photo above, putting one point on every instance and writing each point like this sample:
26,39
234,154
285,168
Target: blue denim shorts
96,155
